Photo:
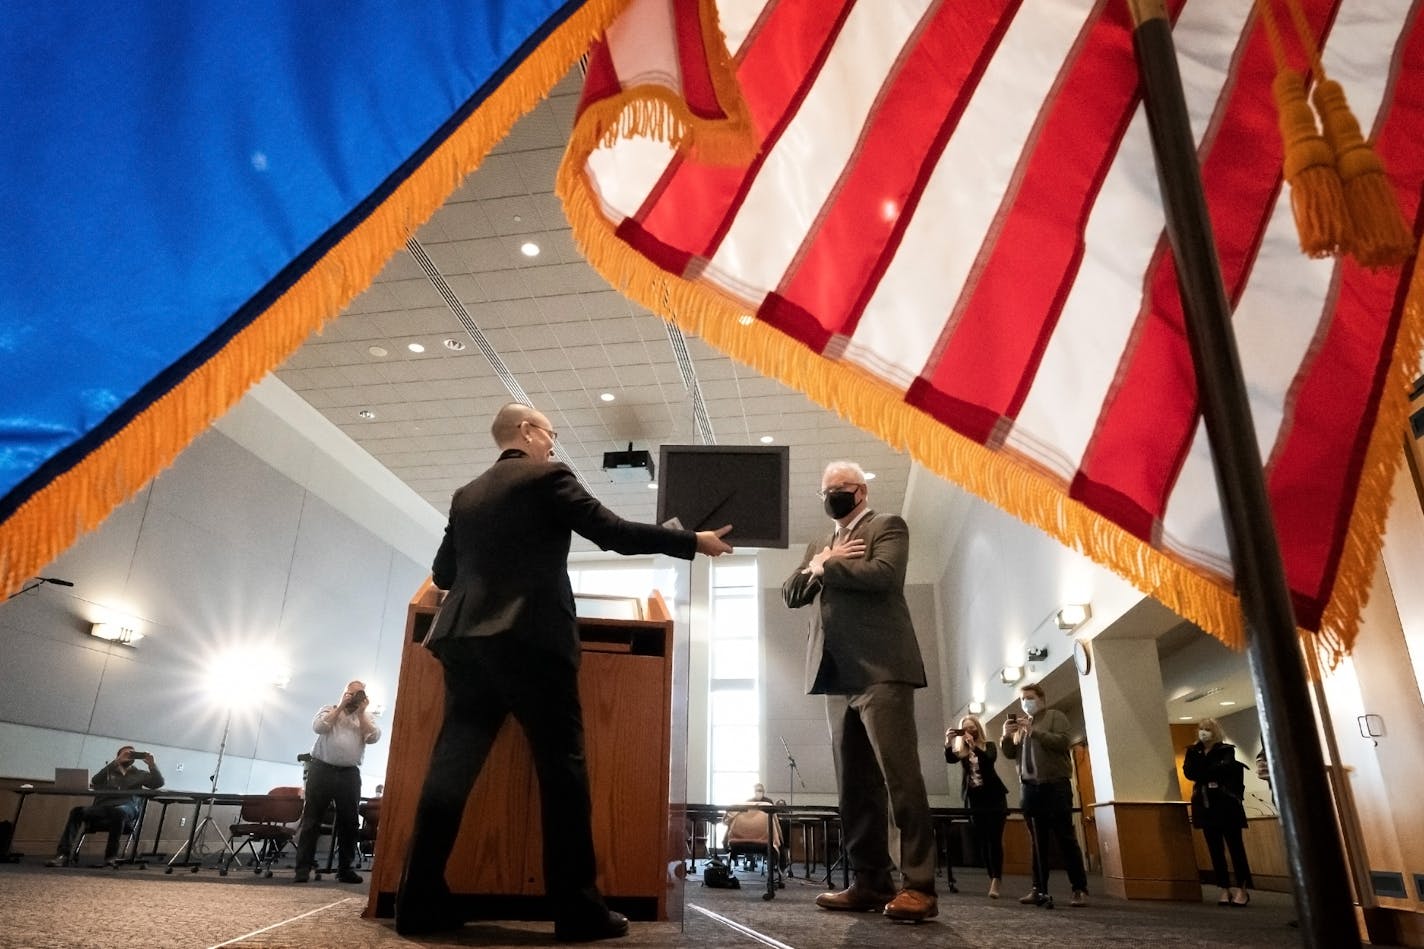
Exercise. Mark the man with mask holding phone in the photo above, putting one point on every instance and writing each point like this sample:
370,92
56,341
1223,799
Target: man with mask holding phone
343,731
1038,739
863,656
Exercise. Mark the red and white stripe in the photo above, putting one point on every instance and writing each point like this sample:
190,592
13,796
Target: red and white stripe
961,200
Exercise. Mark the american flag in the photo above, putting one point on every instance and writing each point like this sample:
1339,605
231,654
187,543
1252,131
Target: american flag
952,234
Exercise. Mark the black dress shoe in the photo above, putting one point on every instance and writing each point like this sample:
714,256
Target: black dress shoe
349,876
426,909
301,876
605,925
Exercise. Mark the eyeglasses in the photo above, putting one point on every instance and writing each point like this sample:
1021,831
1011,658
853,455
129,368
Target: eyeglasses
553,435
848,486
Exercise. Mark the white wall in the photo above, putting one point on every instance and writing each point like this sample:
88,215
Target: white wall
220,552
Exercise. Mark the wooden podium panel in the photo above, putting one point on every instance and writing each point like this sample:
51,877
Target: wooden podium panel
496,869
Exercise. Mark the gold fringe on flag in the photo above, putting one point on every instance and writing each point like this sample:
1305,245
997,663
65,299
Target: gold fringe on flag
657,112
79,499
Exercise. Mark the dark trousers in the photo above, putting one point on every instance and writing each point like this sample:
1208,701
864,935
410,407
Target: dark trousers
326,785
488,679
1218,840
877,758
1048,808
99,816
988,824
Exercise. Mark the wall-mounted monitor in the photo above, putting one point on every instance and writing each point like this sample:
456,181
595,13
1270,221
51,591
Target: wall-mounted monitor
707,486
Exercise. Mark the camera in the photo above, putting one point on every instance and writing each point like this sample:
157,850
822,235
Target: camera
304,757
356,699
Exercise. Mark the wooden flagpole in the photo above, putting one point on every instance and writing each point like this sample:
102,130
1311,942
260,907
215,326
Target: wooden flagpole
1312,837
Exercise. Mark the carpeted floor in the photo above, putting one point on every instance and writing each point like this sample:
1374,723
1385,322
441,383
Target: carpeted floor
120,909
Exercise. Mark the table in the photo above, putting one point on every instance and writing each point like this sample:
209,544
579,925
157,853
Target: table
164,796
807,815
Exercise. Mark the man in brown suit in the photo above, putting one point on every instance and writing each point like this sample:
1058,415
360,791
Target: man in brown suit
863,657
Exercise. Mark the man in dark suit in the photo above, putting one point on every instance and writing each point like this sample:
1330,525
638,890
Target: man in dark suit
862,655
508,641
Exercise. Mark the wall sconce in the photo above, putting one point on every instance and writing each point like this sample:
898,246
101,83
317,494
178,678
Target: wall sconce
976,708
1010,674
115,633
1074,615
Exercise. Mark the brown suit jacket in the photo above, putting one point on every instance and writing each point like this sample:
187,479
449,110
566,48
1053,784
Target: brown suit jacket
861,634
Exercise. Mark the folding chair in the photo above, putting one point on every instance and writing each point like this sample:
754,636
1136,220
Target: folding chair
128,830
265,818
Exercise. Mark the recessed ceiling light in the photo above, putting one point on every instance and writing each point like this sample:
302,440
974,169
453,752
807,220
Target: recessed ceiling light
454,345
746,319
608,397
1226,703
378,351
529,249
517,219
366,413
767,439
870,476
415,347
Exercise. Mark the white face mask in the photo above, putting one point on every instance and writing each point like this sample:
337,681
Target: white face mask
1203,736
1030,706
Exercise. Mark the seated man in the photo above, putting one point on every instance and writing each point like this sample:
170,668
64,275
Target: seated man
113,811
747,827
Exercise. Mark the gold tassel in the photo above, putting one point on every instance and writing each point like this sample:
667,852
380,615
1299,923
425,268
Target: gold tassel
1381,238
1322,218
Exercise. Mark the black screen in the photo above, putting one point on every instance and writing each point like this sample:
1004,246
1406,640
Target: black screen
707,486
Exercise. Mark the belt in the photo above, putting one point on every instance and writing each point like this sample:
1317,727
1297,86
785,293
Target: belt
336,767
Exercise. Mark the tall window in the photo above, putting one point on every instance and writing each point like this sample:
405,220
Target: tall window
734,709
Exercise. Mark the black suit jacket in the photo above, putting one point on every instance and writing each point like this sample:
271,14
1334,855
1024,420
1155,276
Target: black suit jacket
504,558
861,634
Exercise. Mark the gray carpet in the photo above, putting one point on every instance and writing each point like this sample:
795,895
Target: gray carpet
118,909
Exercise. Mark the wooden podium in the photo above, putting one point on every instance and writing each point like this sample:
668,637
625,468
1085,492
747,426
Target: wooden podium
496,869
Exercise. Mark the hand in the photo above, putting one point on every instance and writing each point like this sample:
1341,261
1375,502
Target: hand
148,759
844,548
711,544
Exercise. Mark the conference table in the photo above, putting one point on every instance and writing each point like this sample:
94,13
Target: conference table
162,796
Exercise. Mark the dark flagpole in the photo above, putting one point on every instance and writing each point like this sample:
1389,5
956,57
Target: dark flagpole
1312,836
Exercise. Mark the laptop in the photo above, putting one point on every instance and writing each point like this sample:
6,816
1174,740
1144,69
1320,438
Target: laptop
71,779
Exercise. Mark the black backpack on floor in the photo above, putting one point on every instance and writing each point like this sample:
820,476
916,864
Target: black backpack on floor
719,877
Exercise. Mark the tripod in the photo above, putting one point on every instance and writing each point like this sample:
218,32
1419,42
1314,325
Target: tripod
184,856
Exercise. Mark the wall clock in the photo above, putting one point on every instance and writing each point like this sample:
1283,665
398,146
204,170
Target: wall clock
1082,657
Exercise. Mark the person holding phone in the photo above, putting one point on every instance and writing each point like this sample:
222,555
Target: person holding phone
985,794
1218,788
116,812
343,731
1038,739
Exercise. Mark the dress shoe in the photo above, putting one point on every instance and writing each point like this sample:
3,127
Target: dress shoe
912,906
1080,898
994,888
856,899
59,861
602,925
1032,898
1240,896
349,875
428,914
1223,898
302,875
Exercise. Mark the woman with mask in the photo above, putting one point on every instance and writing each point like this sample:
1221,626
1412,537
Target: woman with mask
1219,786
985,795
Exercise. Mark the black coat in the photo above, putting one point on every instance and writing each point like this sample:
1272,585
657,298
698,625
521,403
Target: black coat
505,555
991,794
1219,784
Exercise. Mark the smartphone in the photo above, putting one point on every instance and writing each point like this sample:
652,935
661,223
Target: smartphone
1013,718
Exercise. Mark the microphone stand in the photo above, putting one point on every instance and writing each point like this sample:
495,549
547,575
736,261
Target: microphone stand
792,776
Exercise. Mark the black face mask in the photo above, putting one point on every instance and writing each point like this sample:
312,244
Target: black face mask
839,503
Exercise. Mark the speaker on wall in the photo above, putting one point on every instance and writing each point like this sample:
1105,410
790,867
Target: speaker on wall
707,486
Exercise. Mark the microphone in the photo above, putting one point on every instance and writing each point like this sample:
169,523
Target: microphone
56,581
